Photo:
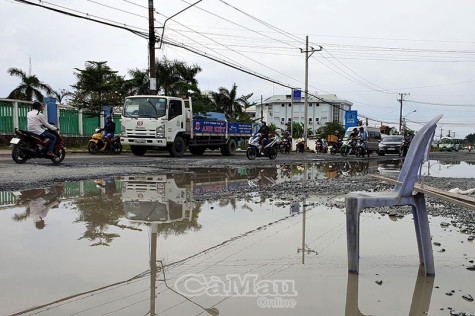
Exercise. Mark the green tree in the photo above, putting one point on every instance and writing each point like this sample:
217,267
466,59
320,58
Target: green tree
330,128
139,84
61,95
227,102
297,129
30,87
97,85
470,138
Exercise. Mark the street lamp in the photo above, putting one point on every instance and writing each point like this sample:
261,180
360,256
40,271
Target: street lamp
404,119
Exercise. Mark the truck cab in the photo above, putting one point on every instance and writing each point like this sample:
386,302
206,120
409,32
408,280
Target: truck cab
153,122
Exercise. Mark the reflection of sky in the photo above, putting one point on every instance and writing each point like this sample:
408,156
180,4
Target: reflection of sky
436,168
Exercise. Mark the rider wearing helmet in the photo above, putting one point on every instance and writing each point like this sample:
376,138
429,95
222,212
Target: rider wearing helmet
36,122
264,131
109,130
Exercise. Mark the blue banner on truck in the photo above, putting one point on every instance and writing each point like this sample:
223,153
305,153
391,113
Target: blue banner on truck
206,127
219,127
239,128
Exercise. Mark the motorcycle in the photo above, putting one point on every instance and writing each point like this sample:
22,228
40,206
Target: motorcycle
361,150
300,147
96,143
320,147
404,148
336,148
285,145
254,149
27,145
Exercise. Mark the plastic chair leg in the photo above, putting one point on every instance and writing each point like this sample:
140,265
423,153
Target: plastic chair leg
425,237
418,234
353,233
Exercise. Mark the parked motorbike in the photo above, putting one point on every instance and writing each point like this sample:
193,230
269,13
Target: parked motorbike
300,147
254,149
27,145
320,147
404,148
96,143
285,145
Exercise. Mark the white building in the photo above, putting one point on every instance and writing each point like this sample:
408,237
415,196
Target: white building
325,108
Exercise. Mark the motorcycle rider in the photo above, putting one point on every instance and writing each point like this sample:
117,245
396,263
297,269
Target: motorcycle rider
36,121
109,130
363,135
354,138
317,143
300,144
408,139
264,131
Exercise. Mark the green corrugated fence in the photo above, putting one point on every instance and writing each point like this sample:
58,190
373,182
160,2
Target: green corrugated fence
69,121
6,117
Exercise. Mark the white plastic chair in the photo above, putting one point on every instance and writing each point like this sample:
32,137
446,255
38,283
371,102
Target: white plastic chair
401,195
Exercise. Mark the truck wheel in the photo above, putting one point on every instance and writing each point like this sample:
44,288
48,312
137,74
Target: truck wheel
222,149
231,146
197,151
138,150
177,149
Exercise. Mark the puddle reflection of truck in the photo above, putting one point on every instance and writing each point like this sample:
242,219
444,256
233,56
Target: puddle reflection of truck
160,122
155,199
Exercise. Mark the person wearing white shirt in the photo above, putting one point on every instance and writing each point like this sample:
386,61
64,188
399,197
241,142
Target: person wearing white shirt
36,122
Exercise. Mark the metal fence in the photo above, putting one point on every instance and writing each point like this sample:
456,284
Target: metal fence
71,121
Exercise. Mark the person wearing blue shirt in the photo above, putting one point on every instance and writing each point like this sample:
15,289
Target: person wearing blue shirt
109,130
363,135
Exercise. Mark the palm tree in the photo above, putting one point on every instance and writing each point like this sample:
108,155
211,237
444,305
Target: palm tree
140,82
227,102
29,88
60,95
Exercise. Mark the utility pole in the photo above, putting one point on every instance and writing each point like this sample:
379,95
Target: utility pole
307,56
262,110
151,48
401,99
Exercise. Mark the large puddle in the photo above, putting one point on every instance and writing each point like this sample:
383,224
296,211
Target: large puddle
85,248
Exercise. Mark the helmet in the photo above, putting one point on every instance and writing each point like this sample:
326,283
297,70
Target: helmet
407,134
36,105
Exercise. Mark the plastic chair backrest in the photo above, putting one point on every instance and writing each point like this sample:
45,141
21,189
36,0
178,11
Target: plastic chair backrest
420,145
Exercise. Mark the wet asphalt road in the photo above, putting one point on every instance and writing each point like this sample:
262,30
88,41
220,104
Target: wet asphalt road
81,166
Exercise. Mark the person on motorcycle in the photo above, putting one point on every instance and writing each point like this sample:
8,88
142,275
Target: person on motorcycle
264,131
408,139
300,144
354,138
36,122
363,135
109,130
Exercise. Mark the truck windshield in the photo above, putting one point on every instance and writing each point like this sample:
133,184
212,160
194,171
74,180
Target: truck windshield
145,107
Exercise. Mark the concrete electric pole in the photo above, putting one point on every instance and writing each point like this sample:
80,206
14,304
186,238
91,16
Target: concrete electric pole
307,56
151,48
401,99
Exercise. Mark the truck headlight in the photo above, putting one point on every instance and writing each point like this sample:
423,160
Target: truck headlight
161,131
122,129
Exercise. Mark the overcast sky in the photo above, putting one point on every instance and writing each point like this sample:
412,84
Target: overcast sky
372,49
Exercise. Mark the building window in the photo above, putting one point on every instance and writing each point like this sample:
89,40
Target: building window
290,119
309,119
336,113
289,104
283,104
310,104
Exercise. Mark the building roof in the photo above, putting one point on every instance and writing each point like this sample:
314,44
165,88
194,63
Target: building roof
322,98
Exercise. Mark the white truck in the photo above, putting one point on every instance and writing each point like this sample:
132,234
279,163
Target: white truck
163,122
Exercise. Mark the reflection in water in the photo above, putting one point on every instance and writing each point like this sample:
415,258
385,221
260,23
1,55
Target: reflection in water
420,298
38,203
